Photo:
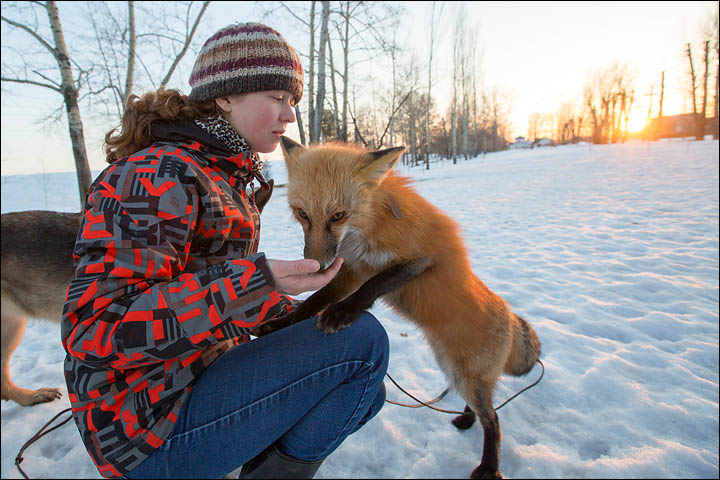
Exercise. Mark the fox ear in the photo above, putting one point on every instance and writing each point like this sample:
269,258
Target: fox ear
291,149
376,165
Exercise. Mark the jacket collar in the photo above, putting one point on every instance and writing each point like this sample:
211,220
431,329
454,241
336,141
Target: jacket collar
185,131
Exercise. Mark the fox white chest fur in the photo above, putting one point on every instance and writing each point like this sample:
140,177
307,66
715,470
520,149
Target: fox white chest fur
355,248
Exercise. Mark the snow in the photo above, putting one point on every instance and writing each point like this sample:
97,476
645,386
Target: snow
609,251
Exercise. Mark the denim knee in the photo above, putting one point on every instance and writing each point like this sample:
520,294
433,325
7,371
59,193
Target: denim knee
368,329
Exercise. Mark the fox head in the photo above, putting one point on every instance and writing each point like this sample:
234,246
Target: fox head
331,191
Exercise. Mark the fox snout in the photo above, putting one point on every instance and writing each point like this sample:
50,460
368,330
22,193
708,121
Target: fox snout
321,247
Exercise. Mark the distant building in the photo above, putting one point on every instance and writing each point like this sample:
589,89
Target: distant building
520,142
544,142
682,125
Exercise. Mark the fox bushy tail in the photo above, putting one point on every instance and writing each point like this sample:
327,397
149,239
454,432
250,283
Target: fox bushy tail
525,349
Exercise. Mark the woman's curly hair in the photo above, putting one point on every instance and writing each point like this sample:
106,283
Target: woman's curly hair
140,112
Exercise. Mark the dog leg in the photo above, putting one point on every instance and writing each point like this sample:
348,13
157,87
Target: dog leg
13,329
482,406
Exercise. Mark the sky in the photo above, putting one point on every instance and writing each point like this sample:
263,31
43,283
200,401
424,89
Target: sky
538,53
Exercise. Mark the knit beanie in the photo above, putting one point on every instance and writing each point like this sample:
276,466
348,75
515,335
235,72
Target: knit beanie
242,58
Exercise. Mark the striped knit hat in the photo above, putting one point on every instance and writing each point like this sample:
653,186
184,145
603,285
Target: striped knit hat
242,58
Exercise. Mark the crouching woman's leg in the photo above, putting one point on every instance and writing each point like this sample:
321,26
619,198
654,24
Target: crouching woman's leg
279,404
362,359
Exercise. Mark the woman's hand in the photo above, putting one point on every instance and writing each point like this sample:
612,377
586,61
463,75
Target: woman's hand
298,276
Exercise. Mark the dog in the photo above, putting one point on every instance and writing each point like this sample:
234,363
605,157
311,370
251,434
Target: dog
398,246
36,269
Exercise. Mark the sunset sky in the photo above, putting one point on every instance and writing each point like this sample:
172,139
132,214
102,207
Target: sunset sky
540,53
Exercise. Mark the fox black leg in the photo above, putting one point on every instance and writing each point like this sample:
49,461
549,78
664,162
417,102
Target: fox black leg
342,314
466,420
330,293
490,463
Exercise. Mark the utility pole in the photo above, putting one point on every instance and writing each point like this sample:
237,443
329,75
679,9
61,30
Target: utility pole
662,92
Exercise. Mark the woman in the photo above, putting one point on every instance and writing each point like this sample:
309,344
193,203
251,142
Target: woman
161,373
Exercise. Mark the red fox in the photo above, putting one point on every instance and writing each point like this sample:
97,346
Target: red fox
398,246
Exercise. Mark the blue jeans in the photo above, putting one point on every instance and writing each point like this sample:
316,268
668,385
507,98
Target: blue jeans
296,385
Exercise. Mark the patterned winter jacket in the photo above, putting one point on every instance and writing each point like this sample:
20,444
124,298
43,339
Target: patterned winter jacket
167,279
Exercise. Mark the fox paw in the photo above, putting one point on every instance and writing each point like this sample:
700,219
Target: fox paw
273,325
335,318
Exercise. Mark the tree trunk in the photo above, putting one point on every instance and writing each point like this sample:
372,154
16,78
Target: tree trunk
300,125
336,112
662,93
346,49
130,73
692,78
427,109
320,98
701,126
311,79
70,94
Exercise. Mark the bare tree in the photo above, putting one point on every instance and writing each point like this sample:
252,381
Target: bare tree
434,27
67,85
363,29
315,132
662,94
108,74
122,42
335,113
458,39
693,82
701,123
533,125
311,80
310,24
605,95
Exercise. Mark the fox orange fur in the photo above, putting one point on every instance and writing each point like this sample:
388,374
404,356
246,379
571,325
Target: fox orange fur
398,246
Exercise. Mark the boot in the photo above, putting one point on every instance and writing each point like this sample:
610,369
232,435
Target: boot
272,463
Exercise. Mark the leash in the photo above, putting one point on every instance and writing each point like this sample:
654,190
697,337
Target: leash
442,395
41,433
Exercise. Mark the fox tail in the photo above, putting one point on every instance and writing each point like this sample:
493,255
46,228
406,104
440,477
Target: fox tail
525,349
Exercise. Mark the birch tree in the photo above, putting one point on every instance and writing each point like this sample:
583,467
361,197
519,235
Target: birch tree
122,43
106,72
66,85
434,27
315,132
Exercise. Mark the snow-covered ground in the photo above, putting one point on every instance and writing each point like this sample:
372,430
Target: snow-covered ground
611,253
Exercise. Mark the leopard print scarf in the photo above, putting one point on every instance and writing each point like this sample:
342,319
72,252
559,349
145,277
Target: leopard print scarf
222,130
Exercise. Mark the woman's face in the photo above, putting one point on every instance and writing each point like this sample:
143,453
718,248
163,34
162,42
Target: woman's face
259,117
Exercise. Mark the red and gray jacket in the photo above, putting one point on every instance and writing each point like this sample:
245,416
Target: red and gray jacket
167,279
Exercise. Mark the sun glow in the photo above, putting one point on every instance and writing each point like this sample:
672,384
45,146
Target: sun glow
636,122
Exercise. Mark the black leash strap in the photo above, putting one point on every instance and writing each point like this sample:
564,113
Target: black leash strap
442,395
41,433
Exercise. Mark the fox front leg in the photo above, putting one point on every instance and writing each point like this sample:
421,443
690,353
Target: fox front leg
337,289
342,314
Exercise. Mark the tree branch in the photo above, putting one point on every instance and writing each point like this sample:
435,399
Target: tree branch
52,82
392,115
188,39
31,82
33,34
282,4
